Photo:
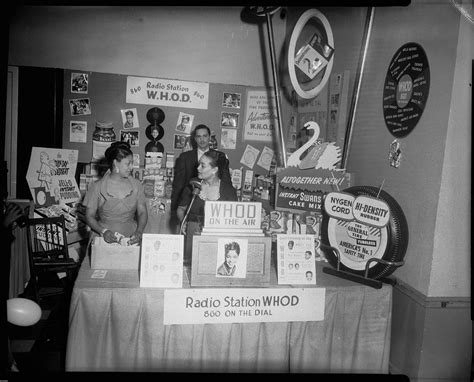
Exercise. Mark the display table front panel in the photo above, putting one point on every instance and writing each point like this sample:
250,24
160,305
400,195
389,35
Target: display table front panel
115,325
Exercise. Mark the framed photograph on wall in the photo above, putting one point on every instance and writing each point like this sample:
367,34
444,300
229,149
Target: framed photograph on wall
231,100
78,131
80,106
131,137
129,118
229,119
79,83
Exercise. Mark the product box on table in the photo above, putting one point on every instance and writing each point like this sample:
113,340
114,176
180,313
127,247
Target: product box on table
114,256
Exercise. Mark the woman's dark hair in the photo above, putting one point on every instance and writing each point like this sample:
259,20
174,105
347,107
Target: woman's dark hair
117,150
216,160
232,247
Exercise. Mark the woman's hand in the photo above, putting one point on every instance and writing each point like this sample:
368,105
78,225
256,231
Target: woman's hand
12,213
109,236
136,238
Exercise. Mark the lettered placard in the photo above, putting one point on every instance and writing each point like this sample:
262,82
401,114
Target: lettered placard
215,306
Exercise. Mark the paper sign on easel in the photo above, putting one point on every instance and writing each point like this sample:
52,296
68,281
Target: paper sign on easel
51,176
296,259
161,263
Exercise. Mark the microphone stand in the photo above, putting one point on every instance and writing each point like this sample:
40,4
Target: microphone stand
196,191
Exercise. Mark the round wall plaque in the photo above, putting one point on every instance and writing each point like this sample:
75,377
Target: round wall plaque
406,89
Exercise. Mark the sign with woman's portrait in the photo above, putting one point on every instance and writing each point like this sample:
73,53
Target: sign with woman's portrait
231,257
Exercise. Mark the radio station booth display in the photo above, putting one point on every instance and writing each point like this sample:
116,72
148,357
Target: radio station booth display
248,290
253,298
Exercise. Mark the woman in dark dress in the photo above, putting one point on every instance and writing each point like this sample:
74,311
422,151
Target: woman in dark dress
210,169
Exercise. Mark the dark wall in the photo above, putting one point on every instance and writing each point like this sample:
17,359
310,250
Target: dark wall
40,94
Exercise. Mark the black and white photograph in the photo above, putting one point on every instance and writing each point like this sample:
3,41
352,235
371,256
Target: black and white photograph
180,141
80,106
231,100
79,83
78,131
229,119
345,130
131,137
130,118
232,257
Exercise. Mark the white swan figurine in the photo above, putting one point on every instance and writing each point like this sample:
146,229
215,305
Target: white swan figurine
323,156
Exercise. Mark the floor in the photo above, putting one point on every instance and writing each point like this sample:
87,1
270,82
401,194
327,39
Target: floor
41,348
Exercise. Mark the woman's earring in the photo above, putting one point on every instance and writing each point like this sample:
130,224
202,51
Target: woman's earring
116,169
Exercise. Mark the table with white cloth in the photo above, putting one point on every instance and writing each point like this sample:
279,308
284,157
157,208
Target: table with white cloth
116,326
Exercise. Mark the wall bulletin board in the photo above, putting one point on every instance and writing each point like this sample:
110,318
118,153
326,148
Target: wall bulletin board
90,97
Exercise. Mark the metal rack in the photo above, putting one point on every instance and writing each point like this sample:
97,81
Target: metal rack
374,283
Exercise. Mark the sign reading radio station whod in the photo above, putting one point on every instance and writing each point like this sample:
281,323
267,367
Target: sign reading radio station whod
218,306
163,92
366,210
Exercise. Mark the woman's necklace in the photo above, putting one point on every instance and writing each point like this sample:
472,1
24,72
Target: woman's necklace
210,191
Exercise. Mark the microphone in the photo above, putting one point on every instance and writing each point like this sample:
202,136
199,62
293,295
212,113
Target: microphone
197,185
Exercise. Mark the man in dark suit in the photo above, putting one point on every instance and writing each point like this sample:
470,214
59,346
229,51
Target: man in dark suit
187,163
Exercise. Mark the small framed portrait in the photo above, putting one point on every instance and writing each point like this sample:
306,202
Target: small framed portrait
231,100
231,257
79,83
131,137
129,118
80,106
180,141
228,139
229,119
185,123
78,131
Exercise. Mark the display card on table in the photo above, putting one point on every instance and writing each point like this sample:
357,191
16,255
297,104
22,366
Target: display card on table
161,261
296,259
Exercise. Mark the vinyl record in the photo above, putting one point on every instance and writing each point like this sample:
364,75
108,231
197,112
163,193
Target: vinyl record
154,132
358,243
154,147
406,89
155,115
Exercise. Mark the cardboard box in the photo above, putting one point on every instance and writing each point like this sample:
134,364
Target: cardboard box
113,256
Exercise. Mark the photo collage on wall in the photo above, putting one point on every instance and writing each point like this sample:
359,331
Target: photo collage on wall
79,107
229,120
184,127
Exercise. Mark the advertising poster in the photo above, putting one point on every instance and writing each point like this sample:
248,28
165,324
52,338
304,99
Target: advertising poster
260,116
51,176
